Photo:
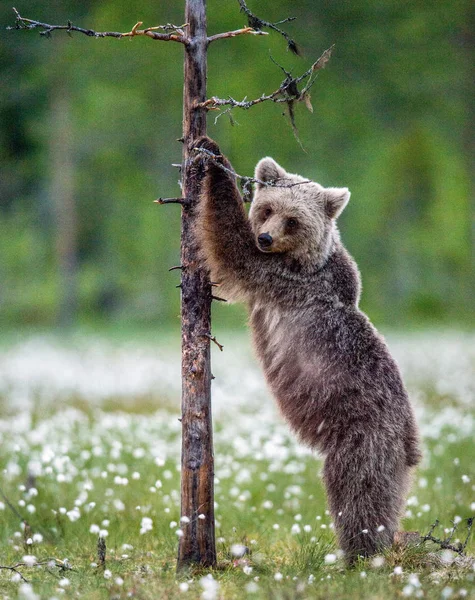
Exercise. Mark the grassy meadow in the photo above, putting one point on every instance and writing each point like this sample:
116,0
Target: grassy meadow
90,446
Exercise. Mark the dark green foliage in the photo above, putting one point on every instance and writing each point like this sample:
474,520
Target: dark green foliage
392,121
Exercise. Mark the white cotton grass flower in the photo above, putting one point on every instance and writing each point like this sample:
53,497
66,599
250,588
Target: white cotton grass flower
295,529
251,587
64,582
146,525
107,574
397,571
210,587
29,560
238,550
179,533
119,581
465,479
278,576
377,562
247,570
94,529
26,592
74,514
330,559
413,580
37,538
184,586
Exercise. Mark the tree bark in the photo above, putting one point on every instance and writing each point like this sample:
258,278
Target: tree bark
197,543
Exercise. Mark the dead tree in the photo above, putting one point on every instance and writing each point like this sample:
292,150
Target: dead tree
197,542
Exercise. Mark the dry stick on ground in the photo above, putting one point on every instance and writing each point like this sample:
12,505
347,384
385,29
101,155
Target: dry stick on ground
197,543
446,544
62,565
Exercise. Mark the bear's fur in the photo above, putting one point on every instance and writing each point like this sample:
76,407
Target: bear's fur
330,371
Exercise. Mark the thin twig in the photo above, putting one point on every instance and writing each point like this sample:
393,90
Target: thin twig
176,34
14,569
213,339
11,507
246,182
181,201
231,34
258,24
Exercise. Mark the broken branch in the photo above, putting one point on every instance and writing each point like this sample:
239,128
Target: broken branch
258,24
181,201
213,339
176,31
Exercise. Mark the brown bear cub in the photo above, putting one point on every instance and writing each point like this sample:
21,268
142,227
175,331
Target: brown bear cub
330,371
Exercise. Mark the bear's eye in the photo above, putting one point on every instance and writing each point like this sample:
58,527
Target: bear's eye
267,212
292,223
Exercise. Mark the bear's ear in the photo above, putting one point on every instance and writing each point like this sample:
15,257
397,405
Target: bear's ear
268,170
335,201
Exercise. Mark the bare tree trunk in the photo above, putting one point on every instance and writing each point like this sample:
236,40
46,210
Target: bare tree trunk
197,544
63,203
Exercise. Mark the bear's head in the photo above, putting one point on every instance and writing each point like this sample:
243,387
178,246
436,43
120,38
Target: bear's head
294,216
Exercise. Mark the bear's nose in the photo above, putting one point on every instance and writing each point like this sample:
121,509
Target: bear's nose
264,240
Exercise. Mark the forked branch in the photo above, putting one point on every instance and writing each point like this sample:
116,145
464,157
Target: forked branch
174,33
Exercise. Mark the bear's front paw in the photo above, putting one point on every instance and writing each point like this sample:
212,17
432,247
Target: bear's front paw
209,145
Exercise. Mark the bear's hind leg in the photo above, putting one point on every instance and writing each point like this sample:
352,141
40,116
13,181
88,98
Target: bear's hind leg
366,494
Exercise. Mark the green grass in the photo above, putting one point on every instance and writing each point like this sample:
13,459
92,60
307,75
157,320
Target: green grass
269,498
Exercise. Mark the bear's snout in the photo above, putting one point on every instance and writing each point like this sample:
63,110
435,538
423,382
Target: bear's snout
264,240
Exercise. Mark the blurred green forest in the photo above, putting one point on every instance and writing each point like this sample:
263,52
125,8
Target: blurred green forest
88,131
